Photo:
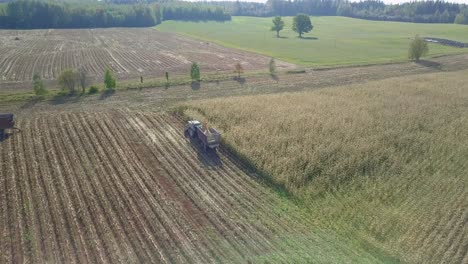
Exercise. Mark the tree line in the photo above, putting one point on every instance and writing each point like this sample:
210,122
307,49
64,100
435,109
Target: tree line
193,12
32,14
416,11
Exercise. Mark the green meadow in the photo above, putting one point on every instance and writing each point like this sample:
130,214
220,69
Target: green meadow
333,41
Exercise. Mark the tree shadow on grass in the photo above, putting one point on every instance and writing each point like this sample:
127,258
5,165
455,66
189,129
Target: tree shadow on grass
274,77
106,94
64,98
430,64
196,85
240,80
309,38
31,102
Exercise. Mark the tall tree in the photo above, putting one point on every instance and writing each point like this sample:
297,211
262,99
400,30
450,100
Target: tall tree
302,24
278,25
82,78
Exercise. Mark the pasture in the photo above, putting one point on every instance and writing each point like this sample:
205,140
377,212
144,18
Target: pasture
333,41
383,162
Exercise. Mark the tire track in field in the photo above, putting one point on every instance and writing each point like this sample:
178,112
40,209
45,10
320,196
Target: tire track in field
199,214
34,246
249,203
49,233
213,175
120,192
56,204
5,241
141,169
188,188
252,238
147,200
14,205
94,195
69,205
111,204
85,222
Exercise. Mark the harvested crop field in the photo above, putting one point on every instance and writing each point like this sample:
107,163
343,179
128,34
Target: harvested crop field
128,187
129,52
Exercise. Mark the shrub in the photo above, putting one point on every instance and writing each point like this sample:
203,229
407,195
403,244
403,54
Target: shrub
38,85
109,80
195,72
93,89
68,80
272,66
418,48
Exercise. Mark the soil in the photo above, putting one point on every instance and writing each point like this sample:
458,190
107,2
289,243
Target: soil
129,52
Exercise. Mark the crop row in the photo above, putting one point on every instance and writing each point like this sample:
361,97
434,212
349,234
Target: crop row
127,187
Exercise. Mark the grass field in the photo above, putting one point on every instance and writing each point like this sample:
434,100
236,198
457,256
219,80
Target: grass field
333,41
383,162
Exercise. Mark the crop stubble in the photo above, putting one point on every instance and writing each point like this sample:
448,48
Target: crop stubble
128,187
129,53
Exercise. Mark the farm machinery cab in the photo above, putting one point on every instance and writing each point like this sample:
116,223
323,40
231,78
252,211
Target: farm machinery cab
209,137
6,122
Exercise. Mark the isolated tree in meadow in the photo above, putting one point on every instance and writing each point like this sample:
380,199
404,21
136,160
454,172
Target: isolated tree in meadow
302,24
38,85
278,25
195,72
109,80
82,76
68,80
239,69
418,48
272,66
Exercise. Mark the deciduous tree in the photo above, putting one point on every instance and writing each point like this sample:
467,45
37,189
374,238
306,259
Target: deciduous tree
109,80
82,76
302,24
278,25
68,80
38,85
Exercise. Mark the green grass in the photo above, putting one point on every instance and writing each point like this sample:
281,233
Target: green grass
382,163
339,40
